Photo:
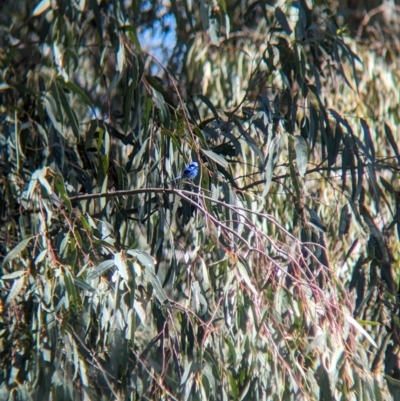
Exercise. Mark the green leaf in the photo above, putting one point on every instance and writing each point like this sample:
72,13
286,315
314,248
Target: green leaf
339,63
17,250
16,289
70,287
100,269
41,7
345,218
50,107
392,381
233,386
233,357
348,163
69,111
340,120
121,265
352,57
368,322
147,262
120,57
13,275
243,273
249,140
315,221
216,158
74,88
333,144
214,29
368,140
392,141
301,154
123,182
59,186
227,25
43,181
132,35
204,14
83,285
387,186
314,124
85,223
158,98
375,189
269,169
360,329
4,86
209,104
143,258
198,301
186,373
281,18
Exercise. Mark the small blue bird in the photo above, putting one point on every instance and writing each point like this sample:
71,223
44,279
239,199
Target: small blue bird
190,171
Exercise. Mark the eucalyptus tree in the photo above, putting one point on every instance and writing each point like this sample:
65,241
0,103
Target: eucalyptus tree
267,275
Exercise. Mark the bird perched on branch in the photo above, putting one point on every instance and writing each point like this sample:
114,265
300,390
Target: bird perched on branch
190,171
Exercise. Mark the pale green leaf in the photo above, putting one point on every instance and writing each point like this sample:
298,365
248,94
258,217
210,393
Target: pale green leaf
16,289
216,158
243,273
301,154
100,269
41,7
16,251
13,275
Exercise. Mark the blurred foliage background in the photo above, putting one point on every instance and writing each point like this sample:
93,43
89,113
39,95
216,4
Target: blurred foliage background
273,275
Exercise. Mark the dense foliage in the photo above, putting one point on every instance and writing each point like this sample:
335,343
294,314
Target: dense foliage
271,275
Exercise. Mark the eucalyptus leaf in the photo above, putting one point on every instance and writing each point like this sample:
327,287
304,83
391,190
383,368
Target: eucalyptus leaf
16,289
41,7
301,154
281,17
100,269
216,158
16,250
